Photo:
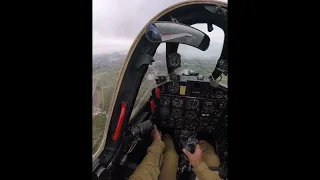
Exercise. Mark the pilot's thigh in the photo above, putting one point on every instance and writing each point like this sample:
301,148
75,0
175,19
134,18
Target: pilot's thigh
170,160
208,154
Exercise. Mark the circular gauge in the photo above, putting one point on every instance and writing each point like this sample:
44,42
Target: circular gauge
208,105
164,101
215,120
225,118
174,60
161,88
204,121
179,123
164,111
191,126
176,113
209,93
177,102
173,87
190,115
223,104
219,94
217,114
193,104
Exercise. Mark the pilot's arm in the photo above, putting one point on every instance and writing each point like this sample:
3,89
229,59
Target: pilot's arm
200,168
149,169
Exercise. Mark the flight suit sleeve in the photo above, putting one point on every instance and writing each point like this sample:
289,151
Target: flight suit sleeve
149,169
204,173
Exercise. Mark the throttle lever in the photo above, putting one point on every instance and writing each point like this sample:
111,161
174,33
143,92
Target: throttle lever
142,128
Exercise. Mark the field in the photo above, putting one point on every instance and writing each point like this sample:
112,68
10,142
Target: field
97,131
105,73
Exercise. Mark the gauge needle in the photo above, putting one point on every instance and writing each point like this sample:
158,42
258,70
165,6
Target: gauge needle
194,102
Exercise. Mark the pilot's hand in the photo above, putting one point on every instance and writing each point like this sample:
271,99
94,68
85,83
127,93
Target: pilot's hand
195,158
156,135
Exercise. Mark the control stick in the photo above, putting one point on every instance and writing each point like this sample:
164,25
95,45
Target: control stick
188,140
189,144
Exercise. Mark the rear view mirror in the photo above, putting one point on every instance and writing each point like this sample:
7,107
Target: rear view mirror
165,31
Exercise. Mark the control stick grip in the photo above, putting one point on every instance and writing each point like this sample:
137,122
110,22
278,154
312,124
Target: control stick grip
189,144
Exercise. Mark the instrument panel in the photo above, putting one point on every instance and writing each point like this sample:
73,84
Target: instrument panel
191,105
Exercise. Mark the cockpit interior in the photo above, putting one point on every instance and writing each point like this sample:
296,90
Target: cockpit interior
187,105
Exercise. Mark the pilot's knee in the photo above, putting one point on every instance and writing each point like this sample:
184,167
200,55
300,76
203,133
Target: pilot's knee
208,154
170,155
205,146
166,136
167,140
211,159
173,153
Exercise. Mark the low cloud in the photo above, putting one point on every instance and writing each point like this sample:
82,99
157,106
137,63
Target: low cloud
117,23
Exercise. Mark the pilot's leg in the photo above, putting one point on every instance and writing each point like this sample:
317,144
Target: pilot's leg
208,154
170,160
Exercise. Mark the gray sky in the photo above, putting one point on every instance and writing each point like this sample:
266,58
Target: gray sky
116,23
